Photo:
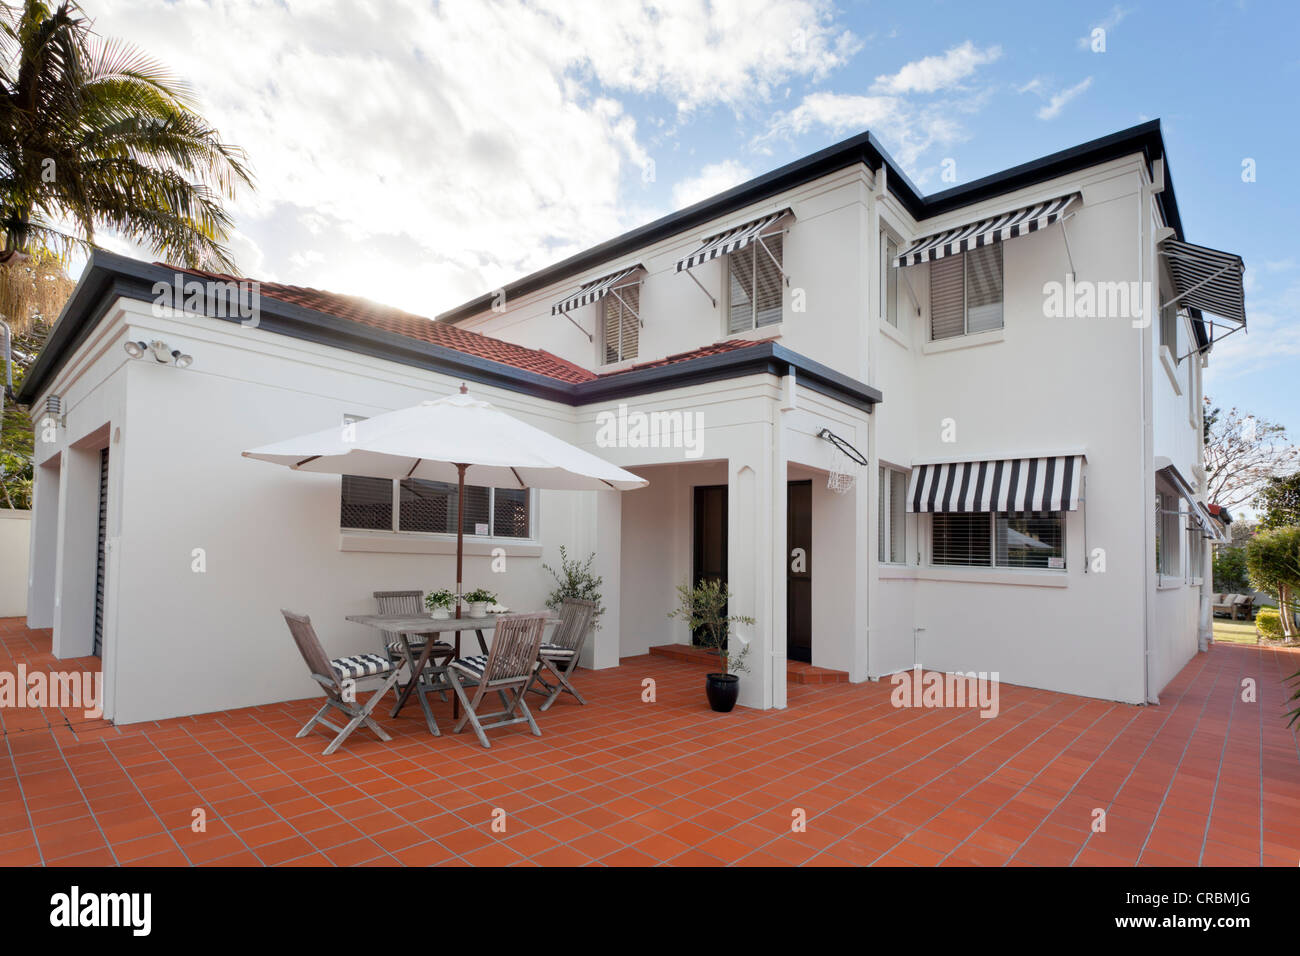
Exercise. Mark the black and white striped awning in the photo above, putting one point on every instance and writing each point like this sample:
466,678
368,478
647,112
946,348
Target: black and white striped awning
597,289
1207,279
985,232
1198,513
1010,484
734,240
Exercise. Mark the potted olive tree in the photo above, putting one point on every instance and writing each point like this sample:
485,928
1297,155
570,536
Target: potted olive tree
575,579
704,609
440,603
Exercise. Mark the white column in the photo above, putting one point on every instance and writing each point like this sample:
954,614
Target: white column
44,546
78,550
755,553
599,524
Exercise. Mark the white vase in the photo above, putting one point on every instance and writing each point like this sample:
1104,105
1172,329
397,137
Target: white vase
478,609
440,614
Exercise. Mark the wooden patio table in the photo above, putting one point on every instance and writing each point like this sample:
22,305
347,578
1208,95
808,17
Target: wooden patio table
402,624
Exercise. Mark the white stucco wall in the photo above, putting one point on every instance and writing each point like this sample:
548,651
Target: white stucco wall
15,543
177,641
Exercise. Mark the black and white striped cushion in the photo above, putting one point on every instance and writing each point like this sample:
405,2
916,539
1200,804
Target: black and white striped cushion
417,647
473,666
361,665
555,650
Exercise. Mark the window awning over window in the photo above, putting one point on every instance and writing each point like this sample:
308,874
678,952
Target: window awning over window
1010,484
1197,512
734,240
597,289
985,232
1206,279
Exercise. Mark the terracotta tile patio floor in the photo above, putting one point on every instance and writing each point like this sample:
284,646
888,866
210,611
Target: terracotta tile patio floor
1203,778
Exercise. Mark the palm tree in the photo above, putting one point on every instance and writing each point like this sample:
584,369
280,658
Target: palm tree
95,134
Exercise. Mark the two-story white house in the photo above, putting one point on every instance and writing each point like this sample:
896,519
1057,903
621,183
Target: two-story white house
959,430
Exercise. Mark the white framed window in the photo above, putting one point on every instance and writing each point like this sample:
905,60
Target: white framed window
1003,540
966,293
888,278
1195,553
1169,329
891,517
620,327
417,506
754,285
1168,535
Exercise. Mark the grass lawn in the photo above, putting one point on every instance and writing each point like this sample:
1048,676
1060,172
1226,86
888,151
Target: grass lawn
1234,632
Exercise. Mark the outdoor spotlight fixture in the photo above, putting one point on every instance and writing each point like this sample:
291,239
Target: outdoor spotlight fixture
160,352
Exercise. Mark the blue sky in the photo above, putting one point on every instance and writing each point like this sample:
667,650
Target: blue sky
421,154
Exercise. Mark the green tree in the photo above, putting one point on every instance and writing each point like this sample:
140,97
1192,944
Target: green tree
1273,561
93,135
1242,451
96,134
1230,570
1278,503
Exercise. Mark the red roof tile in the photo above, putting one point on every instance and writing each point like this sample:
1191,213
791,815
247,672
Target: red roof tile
717,348
356,309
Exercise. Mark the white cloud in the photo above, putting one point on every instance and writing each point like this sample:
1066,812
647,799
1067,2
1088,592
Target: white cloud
712,179
1109,23
1059,100
905,130
422,154
935,73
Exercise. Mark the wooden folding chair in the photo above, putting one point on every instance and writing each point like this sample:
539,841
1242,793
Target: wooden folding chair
338,676
408,647
559,655
506,669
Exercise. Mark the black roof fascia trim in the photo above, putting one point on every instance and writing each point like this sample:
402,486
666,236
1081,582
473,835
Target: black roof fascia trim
761,358
1145,138
109,277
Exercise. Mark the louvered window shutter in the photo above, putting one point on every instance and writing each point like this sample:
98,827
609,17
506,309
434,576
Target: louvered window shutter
947,297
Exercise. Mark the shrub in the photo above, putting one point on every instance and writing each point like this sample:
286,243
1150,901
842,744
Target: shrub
1269,624
479,595
1273,561
575,580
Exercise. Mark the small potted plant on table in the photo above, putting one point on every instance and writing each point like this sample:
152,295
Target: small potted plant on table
478,601
440,603
704,609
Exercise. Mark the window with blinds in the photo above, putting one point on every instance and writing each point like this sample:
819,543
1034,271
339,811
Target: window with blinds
430,507
966,292
1004,540
891,520
622,328
888,279
961,539
754,284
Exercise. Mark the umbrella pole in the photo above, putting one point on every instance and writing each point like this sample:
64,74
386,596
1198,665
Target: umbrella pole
460,532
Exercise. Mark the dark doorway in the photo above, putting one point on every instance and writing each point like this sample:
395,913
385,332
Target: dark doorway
710,557
98,646
798,581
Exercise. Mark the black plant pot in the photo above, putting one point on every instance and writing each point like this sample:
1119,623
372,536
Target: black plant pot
722,691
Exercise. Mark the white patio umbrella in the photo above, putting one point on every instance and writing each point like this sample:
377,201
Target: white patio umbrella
442,440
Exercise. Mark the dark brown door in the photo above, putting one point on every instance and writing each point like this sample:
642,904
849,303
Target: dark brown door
798,581
710,558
